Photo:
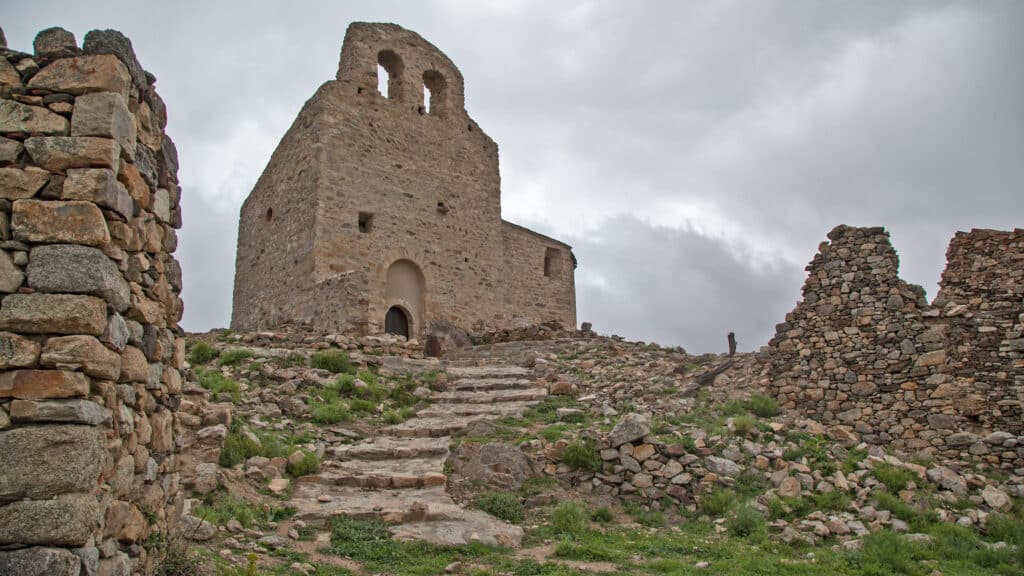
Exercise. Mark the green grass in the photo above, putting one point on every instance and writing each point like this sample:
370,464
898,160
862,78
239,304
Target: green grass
220,507
895,478
234,356
833,501
746,522
310,464
334,361
218,383
569,519
536,486
853,458
237,447
649,518
813,447
763,406
582,455
201,353
718,502
603,515
743,425
505,506
788,508
329,413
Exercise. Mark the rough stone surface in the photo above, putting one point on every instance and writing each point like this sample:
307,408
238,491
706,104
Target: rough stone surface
59,222
629,428
67,411
74,269
68,520
17,183
38,561
116,43
98,185
105,114
40,462
41,384
54,43
17,351
81,352
58,153
10,150
18,117
358,244
53,314
83,74
11,276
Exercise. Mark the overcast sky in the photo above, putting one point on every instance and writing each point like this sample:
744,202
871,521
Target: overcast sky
693,153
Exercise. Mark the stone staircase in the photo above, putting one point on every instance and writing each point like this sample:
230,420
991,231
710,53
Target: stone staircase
398,476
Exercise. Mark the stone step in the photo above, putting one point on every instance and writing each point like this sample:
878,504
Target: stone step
497,411
492,384
457,372
403,473
432,427
388,448
488,397
427,514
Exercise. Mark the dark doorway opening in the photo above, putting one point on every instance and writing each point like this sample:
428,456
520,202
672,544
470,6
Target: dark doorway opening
396,322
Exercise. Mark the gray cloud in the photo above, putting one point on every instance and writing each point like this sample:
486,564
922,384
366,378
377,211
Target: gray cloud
694,153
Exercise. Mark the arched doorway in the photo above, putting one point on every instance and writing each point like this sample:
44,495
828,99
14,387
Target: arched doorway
396,322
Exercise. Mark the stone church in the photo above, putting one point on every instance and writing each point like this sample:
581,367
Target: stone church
382,211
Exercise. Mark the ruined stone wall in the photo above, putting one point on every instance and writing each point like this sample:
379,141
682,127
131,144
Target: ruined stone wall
394,180
865,350
90,349
542,271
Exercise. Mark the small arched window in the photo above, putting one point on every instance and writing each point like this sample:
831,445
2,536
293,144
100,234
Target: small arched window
389,74
435,93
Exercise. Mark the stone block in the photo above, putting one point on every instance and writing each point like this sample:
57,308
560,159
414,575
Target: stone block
23,118
100,186
134,367
83,74
162,205
40,462
116,334
59,222
9,75
58,153
17,183
933,358
38,561
136,186
116,43
80,352
11,276
41,384
10,150
53,314
125,523
68,520
105,114
74,269
117,565
54,43
63,411
629,428
17,351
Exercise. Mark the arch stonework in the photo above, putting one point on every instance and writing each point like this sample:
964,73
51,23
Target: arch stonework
405,287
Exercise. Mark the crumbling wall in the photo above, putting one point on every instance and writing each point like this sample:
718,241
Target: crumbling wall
540,279
865,350
90,349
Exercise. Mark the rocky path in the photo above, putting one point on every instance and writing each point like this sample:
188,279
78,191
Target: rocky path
399,477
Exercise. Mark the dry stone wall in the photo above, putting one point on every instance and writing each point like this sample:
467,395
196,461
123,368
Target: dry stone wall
865,349
90,349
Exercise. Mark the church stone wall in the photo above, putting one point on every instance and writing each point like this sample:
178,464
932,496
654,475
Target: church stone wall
389,179
90,348
866,351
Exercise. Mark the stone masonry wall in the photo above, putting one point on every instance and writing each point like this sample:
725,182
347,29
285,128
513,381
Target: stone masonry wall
866,350
365,180
90,349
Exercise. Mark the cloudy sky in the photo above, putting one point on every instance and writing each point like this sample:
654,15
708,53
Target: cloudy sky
693,153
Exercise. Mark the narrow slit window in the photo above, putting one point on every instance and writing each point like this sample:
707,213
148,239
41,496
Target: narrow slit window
552,262
365,222
389,74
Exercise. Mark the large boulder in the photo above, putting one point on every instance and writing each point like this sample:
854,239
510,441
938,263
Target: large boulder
43,461
630,427
73,222
53,314
73,269
722,466
83,74
68,520
498,464
38,561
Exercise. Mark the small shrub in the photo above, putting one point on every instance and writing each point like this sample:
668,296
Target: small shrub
746,522
237,447
392,417
718,502
688,444
790,507
309,464
332,413
569,519
834,501
763,406
603,515
853,458
536,486
750,483
649,518
407,412
743,425
895,478
733,408
234,356
582,455
885,552
202,353
334,361
360,406
505,506
177,559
